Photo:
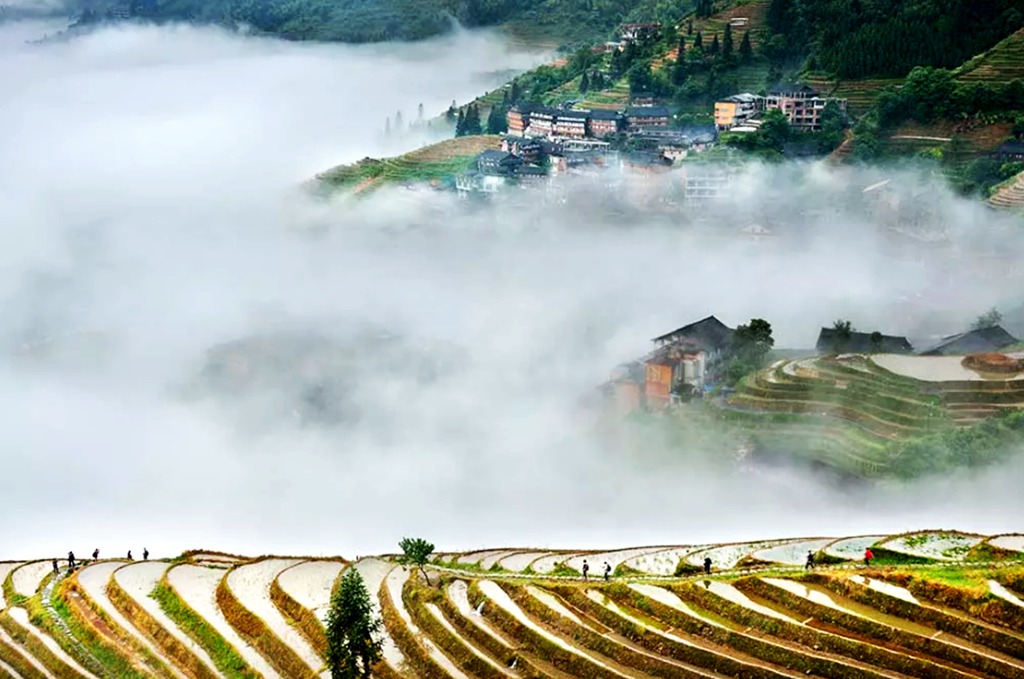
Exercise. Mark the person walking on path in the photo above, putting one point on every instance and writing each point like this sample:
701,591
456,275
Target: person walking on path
145,554
130,555
71,560
707,565
607,571
56,568
868,556
810,560
96,554
586,569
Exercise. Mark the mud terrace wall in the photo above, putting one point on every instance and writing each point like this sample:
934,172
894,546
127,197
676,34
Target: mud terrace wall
938,604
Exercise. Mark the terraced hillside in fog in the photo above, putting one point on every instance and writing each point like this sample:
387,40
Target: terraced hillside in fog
882,415
932,604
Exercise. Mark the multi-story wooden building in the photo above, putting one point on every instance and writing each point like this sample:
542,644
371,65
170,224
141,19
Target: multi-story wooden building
602,123
737,109
542,122
802,105
519,119
638,117
569,123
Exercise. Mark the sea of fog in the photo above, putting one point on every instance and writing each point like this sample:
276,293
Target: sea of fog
172,309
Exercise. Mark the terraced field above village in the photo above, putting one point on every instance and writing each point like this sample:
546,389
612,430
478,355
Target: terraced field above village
864,414
429,164
936,603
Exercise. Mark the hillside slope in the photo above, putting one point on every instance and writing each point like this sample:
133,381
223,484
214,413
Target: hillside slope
430,164
936,603
881,415
1010,195
558,21
1002,63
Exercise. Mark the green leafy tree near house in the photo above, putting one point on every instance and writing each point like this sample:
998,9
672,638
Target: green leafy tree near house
989,319
416,552
751,344
353,632
833,125
774,130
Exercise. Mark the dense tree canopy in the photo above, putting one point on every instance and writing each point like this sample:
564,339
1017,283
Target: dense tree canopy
860,38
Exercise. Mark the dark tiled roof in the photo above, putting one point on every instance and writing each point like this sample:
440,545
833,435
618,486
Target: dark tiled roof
707,333
647,112
526,107
604,114
860,342
572,115
784,88
973,342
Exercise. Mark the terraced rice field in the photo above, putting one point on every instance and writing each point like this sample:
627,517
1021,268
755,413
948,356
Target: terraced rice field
1013,543
1009,195
1003,63
939,545
851,548
425,165
948,619
847,411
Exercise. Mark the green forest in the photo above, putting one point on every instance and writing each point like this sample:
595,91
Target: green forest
861,38
567,22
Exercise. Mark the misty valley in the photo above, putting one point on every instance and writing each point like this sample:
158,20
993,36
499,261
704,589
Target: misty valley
661,339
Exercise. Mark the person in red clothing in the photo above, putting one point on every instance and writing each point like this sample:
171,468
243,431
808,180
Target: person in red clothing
868,556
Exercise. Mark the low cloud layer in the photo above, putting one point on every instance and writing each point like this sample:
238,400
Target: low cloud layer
195,355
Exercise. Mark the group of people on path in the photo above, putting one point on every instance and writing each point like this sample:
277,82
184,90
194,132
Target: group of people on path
586,570
74,564
808,564
608,568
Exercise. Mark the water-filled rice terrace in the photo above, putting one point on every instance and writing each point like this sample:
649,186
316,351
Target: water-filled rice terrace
850,411
934,603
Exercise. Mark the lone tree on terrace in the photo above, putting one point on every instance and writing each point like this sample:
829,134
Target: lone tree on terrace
353,633
843,334
416,552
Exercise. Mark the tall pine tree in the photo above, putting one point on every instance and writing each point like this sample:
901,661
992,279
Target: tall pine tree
679,72
460,124
584,83
472,124
714,49
497,123
746,51
353,633
727,45
698,41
